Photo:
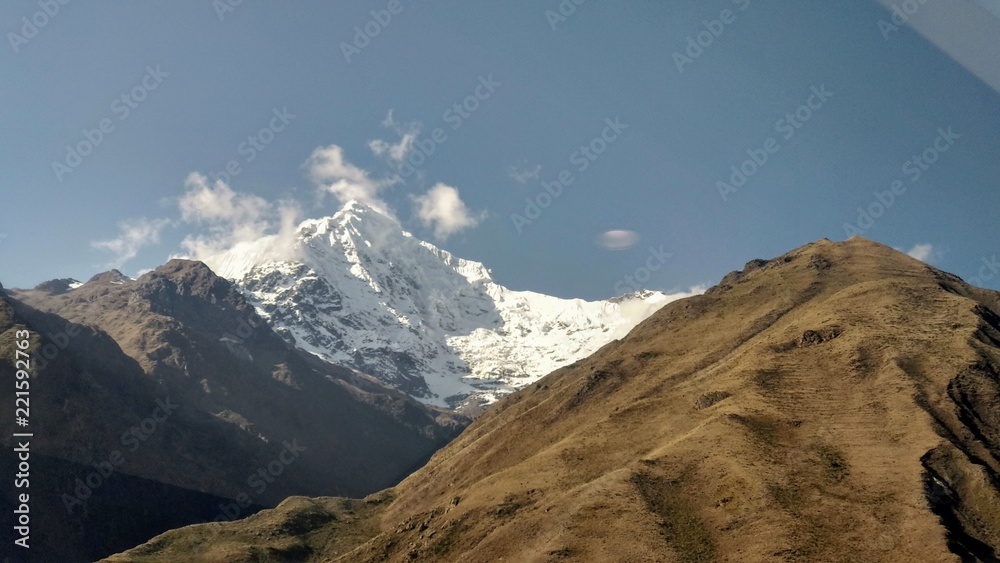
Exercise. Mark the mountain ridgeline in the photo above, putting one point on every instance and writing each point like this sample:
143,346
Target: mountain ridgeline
166,401
838,403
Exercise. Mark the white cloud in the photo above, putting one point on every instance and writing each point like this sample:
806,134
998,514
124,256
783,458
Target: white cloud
334,175
924,252
133,236
637,310
443,209
289,215
396,153
389,121
230,217
220,218
523,175
617,240
204,203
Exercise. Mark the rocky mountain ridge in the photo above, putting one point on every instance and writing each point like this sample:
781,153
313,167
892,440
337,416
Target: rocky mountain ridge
172,385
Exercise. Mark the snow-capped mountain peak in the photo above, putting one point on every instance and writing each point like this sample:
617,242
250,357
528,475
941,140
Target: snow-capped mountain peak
359,290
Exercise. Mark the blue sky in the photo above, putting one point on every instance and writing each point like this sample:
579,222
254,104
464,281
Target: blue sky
547,86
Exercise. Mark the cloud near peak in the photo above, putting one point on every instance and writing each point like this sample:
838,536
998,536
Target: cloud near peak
396,153
218,203
134,235
334,175
442,209
230,217
219,218
924,252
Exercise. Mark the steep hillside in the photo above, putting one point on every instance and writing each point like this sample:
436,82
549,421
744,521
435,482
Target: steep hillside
192,333
174,380
838,403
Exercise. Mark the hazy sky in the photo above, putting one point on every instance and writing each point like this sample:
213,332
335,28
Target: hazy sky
646,123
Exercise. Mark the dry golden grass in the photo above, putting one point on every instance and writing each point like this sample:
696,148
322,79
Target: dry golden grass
839,403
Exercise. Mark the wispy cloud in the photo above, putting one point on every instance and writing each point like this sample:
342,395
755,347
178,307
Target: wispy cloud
523,174
617,239
390,121
218,218
218,203
133,236
334,175
230,217
443,209
396,152
925,253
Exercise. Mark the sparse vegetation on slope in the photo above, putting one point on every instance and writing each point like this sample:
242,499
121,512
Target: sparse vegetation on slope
165,401
838,403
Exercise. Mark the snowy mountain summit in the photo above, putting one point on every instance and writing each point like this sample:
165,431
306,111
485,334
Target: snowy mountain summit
357,290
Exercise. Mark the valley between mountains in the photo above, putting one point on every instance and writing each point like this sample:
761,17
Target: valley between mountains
335,361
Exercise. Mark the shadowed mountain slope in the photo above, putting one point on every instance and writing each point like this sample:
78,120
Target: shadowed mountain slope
174,380
838,403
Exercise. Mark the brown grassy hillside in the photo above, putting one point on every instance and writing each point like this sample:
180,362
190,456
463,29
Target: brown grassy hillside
838,403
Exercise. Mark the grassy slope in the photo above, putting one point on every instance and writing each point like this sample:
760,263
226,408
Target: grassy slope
836,404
